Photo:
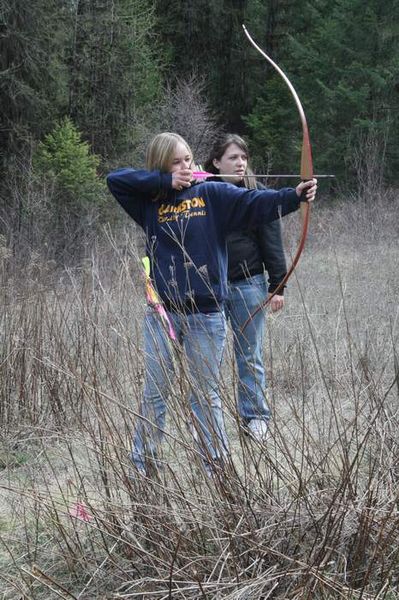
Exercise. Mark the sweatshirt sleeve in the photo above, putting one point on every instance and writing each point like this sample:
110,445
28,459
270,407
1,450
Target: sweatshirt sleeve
132,188
242,208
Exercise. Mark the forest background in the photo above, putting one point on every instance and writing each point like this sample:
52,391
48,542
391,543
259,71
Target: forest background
313,513
122,70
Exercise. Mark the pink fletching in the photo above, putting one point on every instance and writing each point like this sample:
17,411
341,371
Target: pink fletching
202,174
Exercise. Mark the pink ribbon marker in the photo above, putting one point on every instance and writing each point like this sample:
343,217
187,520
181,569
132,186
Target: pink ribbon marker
79,511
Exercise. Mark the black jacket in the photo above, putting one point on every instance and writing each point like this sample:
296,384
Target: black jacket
253,251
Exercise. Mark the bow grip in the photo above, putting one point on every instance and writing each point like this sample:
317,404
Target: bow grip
302,197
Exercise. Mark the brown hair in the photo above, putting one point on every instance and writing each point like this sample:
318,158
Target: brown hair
218,150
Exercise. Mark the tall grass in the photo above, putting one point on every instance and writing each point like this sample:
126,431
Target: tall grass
313,513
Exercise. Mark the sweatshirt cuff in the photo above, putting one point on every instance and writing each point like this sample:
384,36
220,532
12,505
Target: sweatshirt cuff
166,181
272,288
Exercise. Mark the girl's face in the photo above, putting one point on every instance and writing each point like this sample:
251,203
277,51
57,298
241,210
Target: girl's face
234,162
181,158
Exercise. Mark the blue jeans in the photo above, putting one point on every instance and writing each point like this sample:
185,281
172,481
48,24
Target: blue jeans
244,297
202,337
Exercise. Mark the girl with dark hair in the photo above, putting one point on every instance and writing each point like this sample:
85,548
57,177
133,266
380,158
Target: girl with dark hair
186,225
252,252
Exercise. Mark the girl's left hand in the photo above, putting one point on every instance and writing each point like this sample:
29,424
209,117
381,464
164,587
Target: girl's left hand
309,187
276,303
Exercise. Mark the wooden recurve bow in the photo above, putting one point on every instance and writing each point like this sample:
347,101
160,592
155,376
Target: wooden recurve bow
306,173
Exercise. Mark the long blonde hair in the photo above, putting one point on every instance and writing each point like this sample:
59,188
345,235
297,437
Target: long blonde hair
161,149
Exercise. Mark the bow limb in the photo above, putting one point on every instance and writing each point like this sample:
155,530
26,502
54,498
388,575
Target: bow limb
306,174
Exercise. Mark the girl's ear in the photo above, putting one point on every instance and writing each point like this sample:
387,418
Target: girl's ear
216,163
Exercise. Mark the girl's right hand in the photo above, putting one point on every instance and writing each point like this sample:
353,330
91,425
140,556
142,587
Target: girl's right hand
182,179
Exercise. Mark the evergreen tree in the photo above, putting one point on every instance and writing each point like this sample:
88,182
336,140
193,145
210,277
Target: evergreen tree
65,160
32,73
342,57
355,99
114,71
273,121
205,37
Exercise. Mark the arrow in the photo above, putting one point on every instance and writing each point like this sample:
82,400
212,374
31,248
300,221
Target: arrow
205,174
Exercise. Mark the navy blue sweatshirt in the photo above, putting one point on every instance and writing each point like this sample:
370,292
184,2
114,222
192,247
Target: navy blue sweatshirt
186,231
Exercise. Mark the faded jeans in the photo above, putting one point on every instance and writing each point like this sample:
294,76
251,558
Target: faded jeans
245,296
202,337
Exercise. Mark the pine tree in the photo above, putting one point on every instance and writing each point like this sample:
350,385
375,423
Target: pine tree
273,121
65,160
355,99
342,57
114,71
32,73
204,37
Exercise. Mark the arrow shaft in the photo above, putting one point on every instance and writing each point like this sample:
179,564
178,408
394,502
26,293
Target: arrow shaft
203,175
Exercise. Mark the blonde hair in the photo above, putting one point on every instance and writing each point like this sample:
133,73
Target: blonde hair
160,151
